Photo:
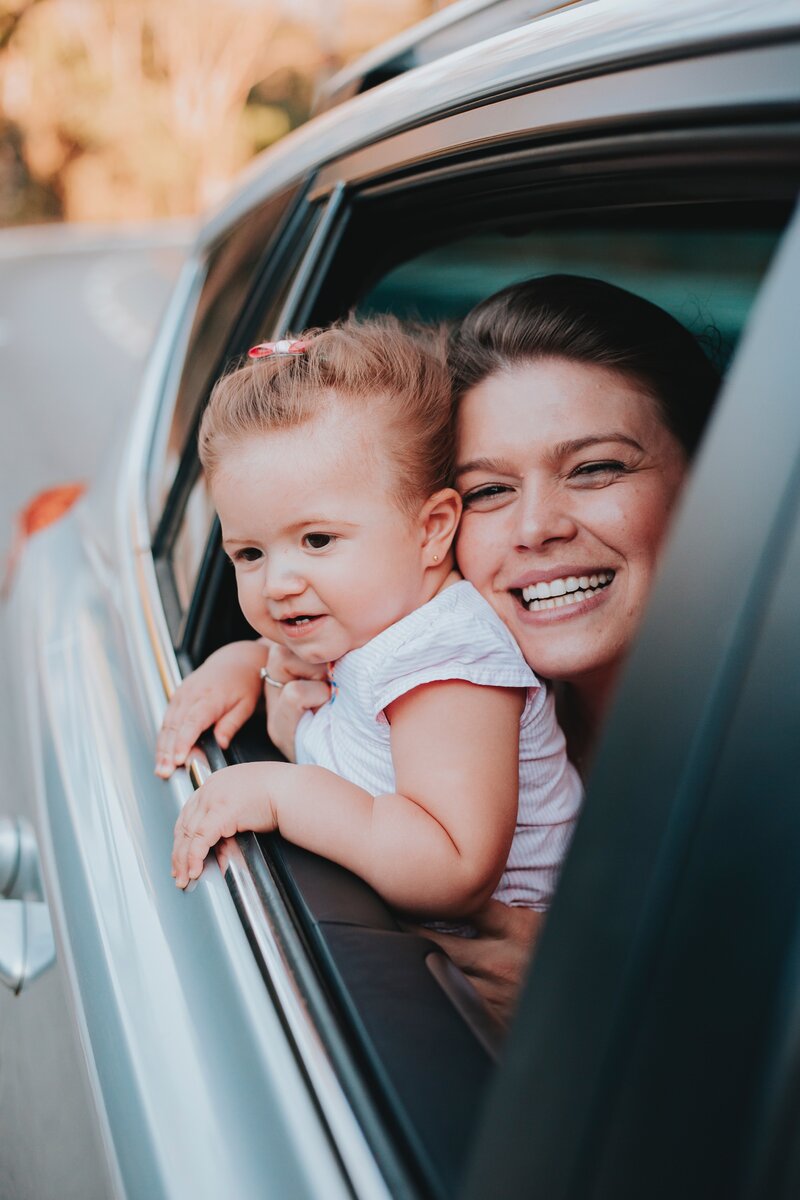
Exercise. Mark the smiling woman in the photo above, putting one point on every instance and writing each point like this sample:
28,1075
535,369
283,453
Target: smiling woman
579,406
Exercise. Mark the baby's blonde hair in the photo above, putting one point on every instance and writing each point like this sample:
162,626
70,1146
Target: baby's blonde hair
358,363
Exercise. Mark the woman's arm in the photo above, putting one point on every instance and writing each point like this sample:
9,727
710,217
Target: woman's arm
496,961
436,846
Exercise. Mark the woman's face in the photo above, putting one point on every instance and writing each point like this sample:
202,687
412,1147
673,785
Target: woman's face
568,476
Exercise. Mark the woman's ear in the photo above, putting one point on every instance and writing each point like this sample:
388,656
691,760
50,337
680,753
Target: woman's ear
439,519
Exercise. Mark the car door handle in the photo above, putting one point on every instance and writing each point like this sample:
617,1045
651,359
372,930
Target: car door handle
27,946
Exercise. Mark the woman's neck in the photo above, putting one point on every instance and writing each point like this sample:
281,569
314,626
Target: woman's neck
582,705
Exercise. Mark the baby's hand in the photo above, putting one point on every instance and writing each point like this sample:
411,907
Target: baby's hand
223,692
305,687
233,800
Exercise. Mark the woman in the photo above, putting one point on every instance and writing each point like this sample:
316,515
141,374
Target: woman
579,407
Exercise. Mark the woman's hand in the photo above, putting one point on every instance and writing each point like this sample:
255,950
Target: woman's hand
234,799
305,687
222,693
496,961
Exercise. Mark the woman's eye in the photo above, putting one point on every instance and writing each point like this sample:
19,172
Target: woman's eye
599,472
484,495
318,541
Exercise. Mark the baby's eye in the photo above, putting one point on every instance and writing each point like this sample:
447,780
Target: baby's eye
318,541
485,495
599,472
247,554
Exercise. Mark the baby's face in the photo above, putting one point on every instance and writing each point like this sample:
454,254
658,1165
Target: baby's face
324,557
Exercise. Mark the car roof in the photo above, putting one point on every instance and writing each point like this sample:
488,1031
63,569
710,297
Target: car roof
464,23
572,42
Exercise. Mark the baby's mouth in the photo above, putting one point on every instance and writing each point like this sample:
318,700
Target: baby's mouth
301,622
562,593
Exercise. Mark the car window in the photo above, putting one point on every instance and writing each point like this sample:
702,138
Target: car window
229,271
706,277
191,539
248,276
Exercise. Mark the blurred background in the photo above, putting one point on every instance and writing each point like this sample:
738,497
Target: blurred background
120,110
121,122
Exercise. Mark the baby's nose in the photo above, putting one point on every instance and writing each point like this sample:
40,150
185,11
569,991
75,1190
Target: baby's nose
281,579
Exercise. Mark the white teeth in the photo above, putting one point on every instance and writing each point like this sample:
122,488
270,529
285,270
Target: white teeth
571,590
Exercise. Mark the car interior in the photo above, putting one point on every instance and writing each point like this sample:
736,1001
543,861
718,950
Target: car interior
691,230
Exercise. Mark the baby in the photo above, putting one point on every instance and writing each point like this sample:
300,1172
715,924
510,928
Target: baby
436,770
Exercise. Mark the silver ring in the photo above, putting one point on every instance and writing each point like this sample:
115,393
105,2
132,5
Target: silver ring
267,678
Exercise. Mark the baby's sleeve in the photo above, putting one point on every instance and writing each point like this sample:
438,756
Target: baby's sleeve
476,649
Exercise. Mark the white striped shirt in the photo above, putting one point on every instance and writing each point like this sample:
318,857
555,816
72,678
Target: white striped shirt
456,635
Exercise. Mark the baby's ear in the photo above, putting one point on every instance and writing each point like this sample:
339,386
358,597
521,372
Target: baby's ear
439,518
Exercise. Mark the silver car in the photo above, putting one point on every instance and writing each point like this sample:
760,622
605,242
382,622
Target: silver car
274,1033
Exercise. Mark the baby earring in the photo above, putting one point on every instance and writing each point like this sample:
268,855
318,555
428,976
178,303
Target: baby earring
436,558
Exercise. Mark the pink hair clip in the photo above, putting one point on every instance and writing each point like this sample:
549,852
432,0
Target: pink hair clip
284,346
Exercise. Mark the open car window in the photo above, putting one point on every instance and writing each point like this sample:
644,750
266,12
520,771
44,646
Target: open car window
414,1046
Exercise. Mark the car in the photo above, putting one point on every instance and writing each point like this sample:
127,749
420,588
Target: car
276,1032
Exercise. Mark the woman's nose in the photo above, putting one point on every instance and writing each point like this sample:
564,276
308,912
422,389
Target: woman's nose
543,516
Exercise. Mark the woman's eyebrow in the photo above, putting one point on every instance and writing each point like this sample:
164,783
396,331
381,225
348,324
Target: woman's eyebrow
494,466
504,466
563,449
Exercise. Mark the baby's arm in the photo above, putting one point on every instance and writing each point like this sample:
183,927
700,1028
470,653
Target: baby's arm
222,693
436,846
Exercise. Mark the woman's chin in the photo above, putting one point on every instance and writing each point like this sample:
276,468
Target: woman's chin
563,641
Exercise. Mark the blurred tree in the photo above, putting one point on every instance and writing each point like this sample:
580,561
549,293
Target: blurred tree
11,14
145,108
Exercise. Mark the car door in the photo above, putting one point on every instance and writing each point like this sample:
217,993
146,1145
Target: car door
655,1050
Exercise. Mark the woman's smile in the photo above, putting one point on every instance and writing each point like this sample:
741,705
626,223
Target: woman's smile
561,590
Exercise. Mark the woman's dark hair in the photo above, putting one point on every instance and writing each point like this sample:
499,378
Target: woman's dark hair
588,321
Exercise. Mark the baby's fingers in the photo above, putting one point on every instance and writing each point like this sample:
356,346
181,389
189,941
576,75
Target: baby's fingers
181,731
195,834
165,742
231,722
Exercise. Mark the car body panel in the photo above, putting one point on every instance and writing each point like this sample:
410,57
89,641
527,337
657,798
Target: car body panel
137,953
584,40
458,25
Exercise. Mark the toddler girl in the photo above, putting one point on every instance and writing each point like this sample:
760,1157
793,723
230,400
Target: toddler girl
436,770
